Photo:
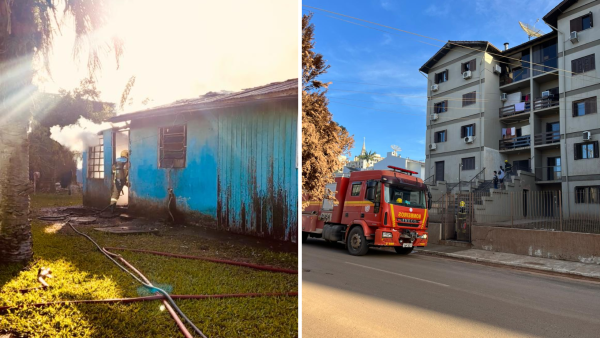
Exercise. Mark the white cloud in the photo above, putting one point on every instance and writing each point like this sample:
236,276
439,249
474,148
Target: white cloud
387,5
438,11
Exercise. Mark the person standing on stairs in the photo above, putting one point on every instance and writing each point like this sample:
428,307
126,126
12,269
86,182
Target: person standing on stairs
495,179
507,169
501,176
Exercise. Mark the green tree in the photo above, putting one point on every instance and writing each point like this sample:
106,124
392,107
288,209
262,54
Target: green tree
26,31
368,156
323,140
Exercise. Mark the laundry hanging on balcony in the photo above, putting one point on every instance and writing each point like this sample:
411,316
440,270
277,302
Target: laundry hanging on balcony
520,106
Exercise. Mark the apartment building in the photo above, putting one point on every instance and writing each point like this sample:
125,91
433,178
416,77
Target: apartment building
488,105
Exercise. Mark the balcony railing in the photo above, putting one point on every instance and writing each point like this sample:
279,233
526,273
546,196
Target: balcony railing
515,142
549,173
512,109
545,103
547,138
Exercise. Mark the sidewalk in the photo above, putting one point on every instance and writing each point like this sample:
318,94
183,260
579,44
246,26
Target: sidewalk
527,262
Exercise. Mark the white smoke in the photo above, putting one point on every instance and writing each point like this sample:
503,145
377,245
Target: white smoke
79,136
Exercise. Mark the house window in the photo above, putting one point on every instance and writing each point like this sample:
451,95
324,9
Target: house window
440,136
586,150
468,130
441,77
95,165
172,147
583,64
440,107
468,66
585,107
356,186
469,99
589,195
468,163
582,23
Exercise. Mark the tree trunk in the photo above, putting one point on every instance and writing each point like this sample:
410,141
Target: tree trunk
17,36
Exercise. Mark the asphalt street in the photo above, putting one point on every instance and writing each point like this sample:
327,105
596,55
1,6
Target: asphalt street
384,294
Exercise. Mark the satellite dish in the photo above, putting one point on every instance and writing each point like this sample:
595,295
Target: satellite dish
531,30
396,150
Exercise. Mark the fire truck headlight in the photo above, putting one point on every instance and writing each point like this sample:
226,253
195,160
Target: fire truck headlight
386,235
424,236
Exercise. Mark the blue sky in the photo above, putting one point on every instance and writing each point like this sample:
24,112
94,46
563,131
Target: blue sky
387,63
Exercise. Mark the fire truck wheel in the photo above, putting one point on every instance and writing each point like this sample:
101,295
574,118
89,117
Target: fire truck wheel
357,243
304,236
403,251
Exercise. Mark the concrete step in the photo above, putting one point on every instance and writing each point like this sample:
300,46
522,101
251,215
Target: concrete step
456,243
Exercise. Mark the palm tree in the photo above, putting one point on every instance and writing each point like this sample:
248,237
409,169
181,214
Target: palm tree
368,156
26,31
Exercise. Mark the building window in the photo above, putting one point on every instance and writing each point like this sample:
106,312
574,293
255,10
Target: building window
582,23
95,165
585,107
441,107
583,64
468,163
356,186
468,130
173,147
589,195
468,66
586,150
441,77
440,136
469,99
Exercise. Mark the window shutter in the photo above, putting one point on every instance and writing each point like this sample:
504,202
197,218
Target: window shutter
472,65
576,151
447,75
596,149
473,129
462,67
573,66
446,105
591,19
446,135
577,24
435,76
462,132
592,62
574,109
574,25
593,105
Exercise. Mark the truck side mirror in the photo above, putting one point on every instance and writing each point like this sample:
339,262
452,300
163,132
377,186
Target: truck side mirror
370,194
429,201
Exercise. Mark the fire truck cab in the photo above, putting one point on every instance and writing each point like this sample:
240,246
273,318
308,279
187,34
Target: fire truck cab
373,208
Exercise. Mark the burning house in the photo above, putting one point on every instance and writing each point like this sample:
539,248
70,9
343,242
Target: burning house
228,161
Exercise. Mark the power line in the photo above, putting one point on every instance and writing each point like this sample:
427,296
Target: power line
445,42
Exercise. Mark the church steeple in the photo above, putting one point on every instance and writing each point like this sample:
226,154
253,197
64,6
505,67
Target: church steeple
364,148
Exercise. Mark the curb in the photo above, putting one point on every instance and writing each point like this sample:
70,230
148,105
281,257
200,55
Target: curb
593,277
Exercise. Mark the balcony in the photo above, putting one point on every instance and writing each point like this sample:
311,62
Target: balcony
551,174
515,143
515,112
547,106
547,138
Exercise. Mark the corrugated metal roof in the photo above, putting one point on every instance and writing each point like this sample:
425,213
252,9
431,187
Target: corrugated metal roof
216,100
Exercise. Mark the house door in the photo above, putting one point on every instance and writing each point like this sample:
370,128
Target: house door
439,171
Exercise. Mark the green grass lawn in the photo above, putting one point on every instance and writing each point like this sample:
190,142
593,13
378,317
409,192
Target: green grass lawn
82,272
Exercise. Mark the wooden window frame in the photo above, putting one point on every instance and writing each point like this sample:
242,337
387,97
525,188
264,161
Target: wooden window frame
463,130
437,138
172,153
472,66
590,106
576,25
578,152
462,161
437,107
583,64
469,98
95,164
438,76
583,194
359,185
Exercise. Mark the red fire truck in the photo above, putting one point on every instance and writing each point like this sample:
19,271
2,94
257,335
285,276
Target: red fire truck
373,208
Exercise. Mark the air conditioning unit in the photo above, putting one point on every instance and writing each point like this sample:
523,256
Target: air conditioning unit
469,139
573,37
503,97
435,88
587,136
433,146
545,94
497,69
434,117
467,75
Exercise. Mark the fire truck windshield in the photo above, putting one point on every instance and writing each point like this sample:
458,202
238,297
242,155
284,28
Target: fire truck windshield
404,196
